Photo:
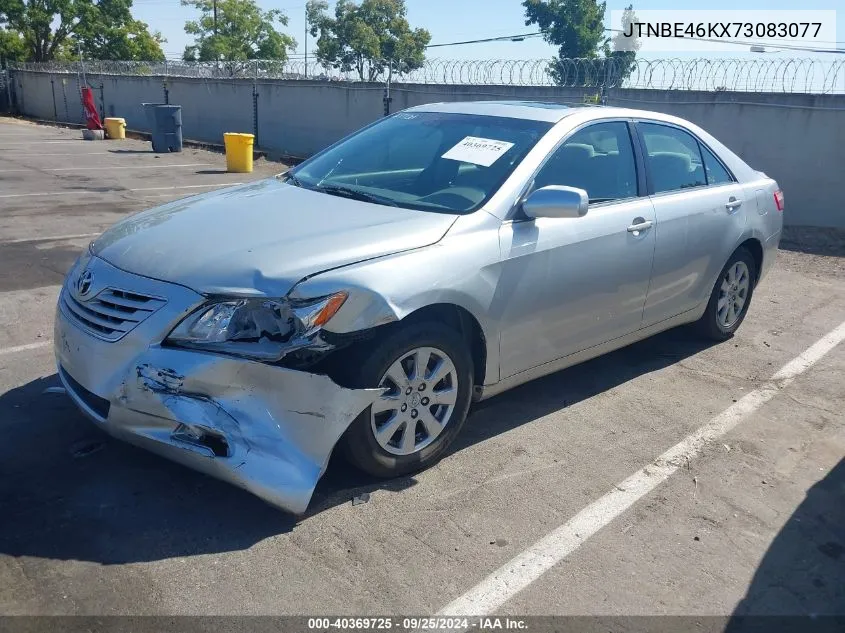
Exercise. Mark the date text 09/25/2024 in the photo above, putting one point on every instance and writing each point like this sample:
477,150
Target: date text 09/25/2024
416,624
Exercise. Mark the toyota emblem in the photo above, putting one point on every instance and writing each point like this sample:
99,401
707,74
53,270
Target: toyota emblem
83,284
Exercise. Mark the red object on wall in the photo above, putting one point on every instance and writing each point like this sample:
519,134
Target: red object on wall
92,119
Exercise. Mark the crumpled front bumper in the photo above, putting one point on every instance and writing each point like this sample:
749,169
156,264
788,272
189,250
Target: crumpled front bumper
267,429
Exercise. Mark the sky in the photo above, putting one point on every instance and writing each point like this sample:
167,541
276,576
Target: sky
455,20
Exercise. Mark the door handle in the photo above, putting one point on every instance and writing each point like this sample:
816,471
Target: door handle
733,204
640,225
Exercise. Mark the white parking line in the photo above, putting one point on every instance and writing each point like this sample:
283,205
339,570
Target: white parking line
152,196
72,154
25,348
48,238
86,192
517,574
225,184
18,135
36,141
106,168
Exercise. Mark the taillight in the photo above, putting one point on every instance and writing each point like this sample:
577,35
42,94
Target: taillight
779,199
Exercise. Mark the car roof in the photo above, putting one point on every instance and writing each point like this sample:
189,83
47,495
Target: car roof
535,110
531,110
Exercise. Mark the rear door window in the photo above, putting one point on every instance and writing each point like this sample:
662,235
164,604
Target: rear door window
673,158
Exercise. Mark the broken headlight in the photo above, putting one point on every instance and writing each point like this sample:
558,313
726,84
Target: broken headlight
263,329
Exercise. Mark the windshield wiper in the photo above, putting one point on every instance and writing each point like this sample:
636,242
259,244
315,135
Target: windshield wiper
354,194
294,180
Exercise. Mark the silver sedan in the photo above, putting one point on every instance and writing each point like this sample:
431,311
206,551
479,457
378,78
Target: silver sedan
365,298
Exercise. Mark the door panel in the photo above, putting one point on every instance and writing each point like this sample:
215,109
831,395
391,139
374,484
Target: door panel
569,284
700,215
695,234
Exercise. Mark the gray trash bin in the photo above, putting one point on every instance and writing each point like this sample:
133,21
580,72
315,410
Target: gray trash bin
166,126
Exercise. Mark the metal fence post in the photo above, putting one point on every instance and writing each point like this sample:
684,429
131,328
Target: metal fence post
64,96
164,85
79,85
53,90
386,100
255,113
606,82
102,102
255,105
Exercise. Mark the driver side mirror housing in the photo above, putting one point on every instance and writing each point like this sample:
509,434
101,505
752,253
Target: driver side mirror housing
556,201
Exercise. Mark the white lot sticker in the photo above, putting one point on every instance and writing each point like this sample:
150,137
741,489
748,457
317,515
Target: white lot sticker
479,151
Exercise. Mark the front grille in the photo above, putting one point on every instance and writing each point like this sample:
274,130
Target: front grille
98,405
111,313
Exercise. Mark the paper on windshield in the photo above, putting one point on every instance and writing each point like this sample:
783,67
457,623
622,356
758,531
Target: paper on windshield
478,151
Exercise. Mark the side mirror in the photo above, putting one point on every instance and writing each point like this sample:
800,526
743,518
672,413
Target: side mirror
556,201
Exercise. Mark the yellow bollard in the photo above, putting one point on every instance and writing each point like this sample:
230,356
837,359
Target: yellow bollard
115,128
238,152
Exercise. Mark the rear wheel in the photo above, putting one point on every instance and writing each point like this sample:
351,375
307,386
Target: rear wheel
730,298
426,373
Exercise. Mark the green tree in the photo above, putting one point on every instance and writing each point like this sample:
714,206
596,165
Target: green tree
576,27
622,53
116,35
53,29
243,32
370,38
12,46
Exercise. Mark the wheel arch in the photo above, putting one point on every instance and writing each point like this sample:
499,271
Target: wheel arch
755,247
464,322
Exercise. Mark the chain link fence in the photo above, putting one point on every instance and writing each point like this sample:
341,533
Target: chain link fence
778,75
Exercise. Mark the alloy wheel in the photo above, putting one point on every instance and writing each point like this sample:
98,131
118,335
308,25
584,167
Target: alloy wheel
733,294
420,392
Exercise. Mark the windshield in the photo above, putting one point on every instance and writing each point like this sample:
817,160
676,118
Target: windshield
452,163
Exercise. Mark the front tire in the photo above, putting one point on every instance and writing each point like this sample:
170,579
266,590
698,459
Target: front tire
426,370
730,298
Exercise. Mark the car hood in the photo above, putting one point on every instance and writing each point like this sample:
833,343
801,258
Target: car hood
262,237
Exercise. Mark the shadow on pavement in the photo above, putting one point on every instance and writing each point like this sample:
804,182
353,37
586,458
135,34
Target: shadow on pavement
803,571
814,240
132,151
70,492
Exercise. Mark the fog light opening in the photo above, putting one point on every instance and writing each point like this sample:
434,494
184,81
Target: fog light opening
202,436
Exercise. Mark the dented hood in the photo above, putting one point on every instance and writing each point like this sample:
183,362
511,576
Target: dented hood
261,237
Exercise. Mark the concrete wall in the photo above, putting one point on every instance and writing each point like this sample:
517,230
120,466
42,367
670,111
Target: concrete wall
798,139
